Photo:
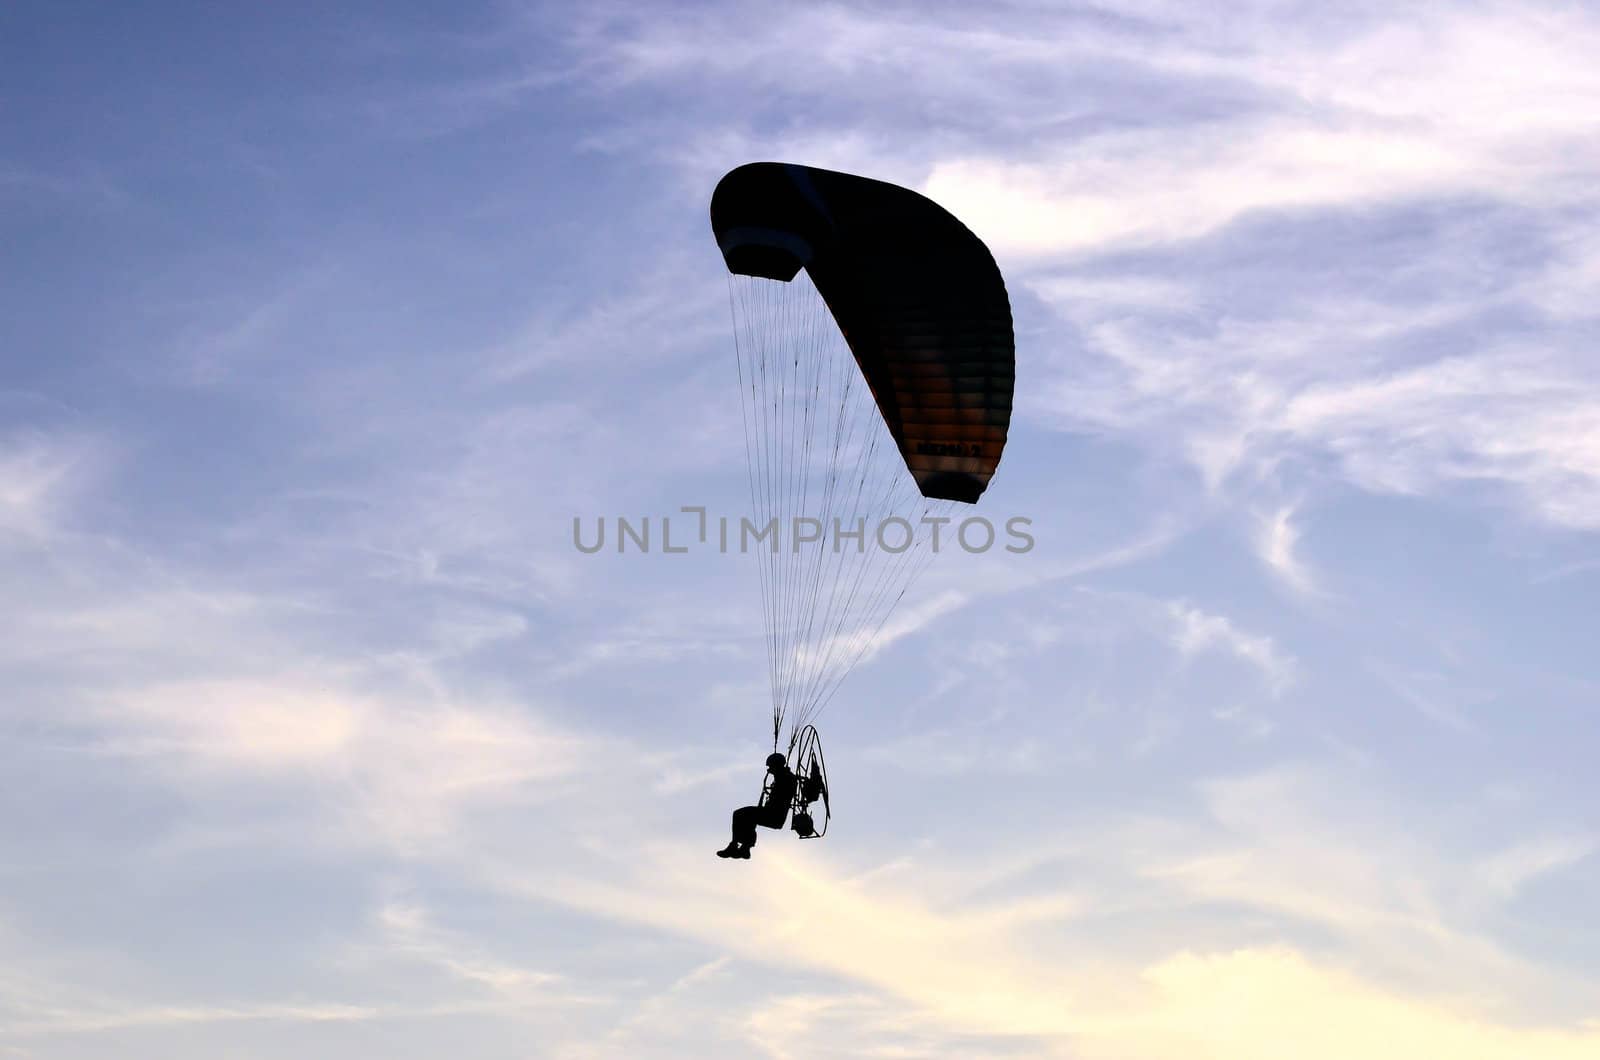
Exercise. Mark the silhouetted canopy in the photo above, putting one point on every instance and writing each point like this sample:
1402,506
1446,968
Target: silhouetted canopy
916,294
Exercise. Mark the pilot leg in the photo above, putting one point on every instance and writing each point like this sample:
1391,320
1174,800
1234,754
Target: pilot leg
744,825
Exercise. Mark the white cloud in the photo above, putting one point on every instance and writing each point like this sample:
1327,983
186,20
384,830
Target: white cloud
1511,417
1051,964
1196,631
40,473
859,645
402,772
1318,849
1509,871
88,1017
1434,696
247,331
1160,189
1276,541
238,723
679,307
409,933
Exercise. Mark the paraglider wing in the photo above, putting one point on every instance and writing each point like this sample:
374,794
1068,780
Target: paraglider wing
918,297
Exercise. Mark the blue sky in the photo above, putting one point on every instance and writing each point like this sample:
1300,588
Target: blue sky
318,328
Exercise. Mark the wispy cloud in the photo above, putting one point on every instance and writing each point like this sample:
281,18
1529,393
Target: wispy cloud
1523,419
114,1016
677,316
1509,871
1276,540
39,474
1196,631
961,968
408,932
396,771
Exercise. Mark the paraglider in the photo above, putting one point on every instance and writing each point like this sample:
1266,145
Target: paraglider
784,791
876,364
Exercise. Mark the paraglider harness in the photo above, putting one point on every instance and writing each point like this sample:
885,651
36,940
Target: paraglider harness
811,784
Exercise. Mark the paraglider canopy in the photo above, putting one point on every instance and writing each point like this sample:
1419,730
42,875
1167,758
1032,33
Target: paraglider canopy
917,296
